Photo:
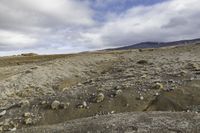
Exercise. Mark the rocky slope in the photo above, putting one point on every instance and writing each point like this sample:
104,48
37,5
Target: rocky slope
40,93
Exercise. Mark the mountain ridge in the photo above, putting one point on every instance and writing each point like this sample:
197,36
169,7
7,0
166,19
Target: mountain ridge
152,44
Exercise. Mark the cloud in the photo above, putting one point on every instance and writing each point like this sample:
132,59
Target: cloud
12,40
40,24
51,26
167,21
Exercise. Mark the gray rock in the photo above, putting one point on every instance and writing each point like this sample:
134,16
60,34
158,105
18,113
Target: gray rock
100,97
55,105
28,121
3,113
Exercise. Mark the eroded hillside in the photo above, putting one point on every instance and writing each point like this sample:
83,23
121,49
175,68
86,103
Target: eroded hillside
42,91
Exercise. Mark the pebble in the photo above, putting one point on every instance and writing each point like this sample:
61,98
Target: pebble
100,97
144,76
158,86
43,102
28,121
84,104
55,105
64,105
112,112
3,113
24,103
142,62
13,129
141,98
28,114
118,92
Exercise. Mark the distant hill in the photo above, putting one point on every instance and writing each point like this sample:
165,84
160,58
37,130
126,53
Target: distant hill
158,44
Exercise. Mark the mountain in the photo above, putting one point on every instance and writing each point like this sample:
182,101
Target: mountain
158,44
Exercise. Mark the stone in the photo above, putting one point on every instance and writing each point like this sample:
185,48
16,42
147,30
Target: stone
141,98
3,113
64,105
84,104
142,62
44,102
183,72
100,97
79,84
112,112
80,106
117,87
13,129
24,103
28,114
28,121
55,105
158,86
157,94
144,76
118,92
28,71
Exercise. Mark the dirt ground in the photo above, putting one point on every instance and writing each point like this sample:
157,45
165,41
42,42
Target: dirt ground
65,93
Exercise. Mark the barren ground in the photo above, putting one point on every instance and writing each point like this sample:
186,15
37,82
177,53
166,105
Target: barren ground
147,90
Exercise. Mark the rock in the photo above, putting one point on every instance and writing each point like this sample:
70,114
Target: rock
28,114
118,92
144,76
3,113
28,121
80,106
55,105
24,103
100,97
79,84
64,105
13,129
44,102
117,87
84,104
141,98
157,86
142,62
28,71
112,112
183,72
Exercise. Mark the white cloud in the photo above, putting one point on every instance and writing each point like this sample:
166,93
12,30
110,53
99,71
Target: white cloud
69,25
15,40
45,12
168,21
40,23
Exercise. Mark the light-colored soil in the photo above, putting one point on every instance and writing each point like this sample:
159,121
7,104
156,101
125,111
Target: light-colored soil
99,83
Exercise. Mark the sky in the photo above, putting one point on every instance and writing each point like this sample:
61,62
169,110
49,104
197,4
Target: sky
67,26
